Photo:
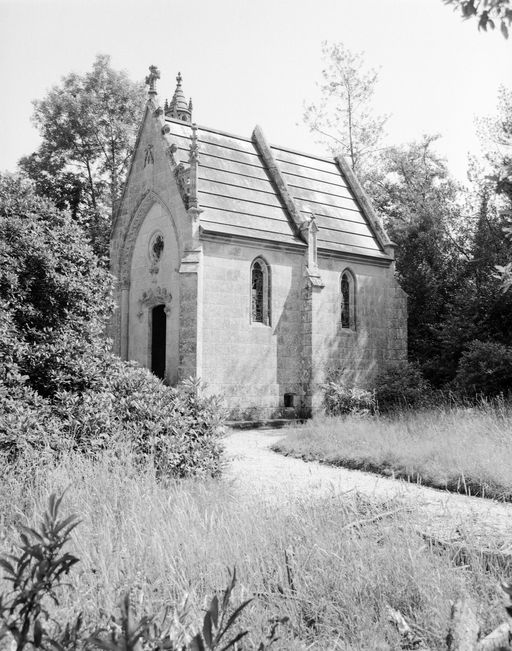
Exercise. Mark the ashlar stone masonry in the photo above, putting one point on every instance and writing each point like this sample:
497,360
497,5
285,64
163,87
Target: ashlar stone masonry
252,266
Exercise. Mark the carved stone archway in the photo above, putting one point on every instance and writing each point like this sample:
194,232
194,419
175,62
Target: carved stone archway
151,298
149,198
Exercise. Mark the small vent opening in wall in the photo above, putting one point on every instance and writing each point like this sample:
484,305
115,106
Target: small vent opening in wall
289,400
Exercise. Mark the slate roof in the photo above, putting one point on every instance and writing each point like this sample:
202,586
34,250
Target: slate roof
238,196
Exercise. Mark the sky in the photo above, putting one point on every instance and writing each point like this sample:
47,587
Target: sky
248,62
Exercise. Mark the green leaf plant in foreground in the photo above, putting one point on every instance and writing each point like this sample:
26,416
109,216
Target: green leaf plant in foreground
37,573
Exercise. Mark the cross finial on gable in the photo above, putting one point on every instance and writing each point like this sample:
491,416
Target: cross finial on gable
154,74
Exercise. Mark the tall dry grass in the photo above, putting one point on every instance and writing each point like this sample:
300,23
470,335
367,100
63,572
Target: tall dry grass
328,564
465,450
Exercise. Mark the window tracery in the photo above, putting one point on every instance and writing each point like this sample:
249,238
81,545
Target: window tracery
348,313
260,292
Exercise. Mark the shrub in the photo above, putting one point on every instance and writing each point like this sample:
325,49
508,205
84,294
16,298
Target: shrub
485,368
60,387
340,399
178,429
401,386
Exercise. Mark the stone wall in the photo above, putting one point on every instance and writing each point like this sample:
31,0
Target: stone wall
254,365
151,201
153,283
380,334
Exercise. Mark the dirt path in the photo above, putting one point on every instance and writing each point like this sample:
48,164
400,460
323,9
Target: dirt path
254,468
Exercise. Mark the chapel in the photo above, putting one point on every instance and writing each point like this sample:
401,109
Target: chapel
250,265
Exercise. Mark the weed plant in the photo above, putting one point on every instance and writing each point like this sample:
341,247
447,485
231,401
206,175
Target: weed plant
455,448
332,566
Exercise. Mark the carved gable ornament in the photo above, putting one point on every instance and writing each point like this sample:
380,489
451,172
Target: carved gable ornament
149,158
151,298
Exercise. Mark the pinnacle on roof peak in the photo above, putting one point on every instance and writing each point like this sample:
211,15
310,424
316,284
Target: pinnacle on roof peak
179,108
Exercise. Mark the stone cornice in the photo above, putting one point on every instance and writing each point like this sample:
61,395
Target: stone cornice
292,247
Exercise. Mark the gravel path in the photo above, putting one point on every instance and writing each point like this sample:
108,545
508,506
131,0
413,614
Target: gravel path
256,469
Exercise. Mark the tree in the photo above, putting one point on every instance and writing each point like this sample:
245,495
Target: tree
487,12
56,296
88,126
343,117
414,193
496,137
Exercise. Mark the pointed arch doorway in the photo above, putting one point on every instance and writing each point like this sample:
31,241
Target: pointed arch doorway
158,340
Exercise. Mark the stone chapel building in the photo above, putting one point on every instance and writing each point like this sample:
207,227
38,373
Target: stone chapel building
250,265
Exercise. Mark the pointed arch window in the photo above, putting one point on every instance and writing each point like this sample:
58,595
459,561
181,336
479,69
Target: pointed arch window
348,300
260,292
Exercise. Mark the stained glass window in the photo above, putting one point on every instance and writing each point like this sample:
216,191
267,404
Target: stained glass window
260,292
347,301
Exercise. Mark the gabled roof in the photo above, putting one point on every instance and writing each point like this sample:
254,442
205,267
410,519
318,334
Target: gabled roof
239,196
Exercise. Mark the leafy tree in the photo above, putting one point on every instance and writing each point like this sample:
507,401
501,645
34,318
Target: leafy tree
343,117
88,125
496,137
56,296
417,198
487,12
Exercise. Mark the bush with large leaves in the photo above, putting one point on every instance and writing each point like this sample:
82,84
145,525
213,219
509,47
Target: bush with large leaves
59,384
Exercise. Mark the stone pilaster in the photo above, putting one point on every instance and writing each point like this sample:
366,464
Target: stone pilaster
191,315
312,342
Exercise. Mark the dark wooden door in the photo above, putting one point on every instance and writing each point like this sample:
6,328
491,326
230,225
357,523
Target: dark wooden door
158,340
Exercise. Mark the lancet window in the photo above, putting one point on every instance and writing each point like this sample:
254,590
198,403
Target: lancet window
260,292
348,301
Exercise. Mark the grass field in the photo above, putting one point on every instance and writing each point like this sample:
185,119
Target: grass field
462,450
328,565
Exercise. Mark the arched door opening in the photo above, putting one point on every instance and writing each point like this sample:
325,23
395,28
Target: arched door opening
158,340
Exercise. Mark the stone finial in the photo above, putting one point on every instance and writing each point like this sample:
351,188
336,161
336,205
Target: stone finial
154,74
179,108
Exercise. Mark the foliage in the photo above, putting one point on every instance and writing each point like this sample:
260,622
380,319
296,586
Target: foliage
451,446
56,297
36,577
485,368
418,201
88,125
177,429
310,557
496,137
487,12
341,399
343,116
60,387
401,386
